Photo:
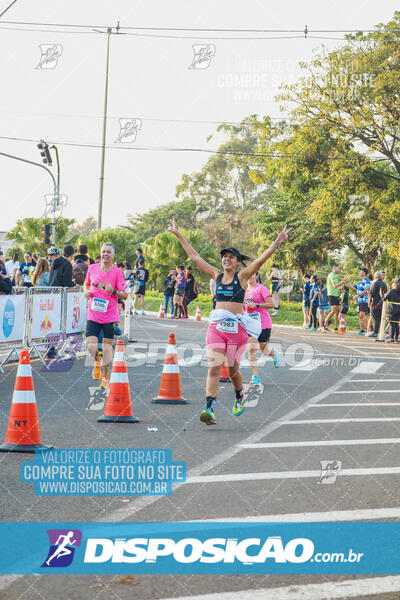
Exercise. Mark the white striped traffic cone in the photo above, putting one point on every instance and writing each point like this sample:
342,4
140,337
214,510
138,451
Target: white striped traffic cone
161,312
23,433
170,391
118,408
198,314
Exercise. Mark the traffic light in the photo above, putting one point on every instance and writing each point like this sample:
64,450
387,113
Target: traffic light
46,228
45,153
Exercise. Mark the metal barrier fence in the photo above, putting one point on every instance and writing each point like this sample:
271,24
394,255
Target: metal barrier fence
385,319
38,316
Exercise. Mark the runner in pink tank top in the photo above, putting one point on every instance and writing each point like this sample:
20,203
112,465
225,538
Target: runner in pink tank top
257,302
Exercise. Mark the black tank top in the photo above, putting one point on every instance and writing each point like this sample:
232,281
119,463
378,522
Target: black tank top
229,292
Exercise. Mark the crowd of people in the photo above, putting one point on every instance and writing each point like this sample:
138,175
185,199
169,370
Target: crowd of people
327,300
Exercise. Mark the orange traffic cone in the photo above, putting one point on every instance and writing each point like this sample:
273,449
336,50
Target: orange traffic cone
23,433
170,391
161,312
224,375
118,408
198,314
342,326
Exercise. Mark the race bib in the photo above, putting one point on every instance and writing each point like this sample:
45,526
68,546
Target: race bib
228,326
99,305
254,315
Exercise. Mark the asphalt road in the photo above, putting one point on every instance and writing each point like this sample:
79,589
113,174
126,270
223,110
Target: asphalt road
334,399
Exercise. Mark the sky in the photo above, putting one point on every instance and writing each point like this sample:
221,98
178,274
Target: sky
151,86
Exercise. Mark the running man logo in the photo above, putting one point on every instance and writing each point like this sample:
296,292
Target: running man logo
203,54
253,394
128,129
329,471
358,204
50,55
97,398
62,547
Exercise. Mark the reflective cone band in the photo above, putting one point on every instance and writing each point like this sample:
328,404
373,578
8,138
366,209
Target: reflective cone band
118,408
224,375
161,312
23,433
198,314
342,326
170,391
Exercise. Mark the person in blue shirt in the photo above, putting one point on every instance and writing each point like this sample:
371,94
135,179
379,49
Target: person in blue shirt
362,288
26,270
306,299
314,303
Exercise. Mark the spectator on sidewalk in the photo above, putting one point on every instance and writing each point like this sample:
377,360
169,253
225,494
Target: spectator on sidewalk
393,297
26,270
61,269
334,286
41,276
169,289
180,286
12,266
83,255
141,276
190,290
378,290
139,257
306,300
362,288
5,281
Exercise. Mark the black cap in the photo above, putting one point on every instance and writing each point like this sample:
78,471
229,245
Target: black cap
233,251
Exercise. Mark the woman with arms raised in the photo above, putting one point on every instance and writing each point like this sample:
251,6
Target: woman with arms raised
229,327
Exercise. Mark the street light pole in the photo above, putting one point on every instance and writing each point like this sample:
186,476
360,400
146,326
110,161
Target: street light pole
56,200
103,152
30,162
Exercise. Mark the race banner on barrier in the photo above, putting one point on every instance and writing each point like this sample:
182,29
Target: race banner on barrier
46,315
12,317
76,312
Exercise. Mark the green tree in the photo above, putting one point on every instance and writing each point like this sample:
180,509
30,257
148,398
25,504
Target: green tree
164,251
123,240
28,234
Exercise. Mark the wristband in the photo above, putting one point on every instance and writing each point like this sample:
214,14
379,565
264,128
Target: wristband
274,245
114,292
258,304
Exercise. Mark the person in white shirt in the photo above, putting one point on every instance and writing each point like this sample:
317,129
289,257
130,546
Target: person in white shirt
12,265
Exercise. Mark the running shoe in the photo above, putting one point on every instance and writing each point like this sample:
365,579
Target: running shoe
389,341
143,313
208,417
96,373
313,328
276,359
359,333
104,381
255,380
136,312
239,406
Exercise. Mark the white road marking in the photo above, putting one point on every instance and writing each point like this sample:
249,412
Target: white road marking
289,475
332,590
367,367
357,404
361,442
350,420
367,392
143,502
376,380
363,514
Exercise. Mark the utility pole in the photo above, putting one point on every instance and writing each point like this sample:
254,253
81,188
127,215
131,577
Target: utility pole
103,151
56,200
